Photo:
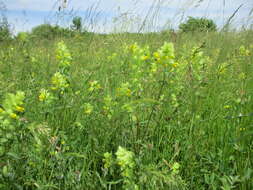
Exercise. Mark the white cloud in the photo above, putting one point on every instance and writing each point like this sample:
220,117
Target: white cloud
48,5
172,10
37,5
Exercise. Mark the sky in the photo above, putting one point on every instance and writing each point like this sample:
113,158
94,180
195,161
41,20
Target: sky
124,15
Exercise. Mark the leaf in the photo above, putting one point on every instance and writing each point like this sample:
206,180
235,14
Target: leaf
5,171
13,155
2,141
2,151
77,155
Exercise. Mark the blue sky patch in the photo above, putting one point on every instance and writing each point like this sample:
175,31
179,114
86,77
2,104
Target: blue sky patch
128,15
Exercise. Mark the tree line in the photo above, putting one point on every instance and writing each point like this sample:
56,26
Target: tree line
51,31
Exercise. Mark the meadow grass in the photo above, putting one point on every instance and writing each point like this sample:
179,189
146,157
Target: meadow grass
108,112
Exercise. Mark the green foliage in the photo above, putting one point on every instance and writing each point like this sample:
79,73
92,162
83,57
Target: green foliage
77,24
142,176
11,132
23,37
125,159
198,25
48,31
5,32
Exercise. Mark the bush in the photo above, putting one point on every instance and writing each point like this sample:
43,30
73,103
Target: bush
77,24
22,36
5,32
49,32
198,24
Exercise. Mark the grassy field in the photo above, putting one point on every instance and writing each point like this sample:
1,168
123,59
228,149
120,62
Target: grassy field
127,111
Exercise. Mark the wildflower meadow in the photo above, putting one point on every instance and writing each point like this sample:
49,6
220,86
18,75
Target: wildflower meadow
127,111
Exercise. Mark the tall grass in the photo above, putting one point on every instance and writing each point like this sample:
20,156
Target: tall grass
127,110
186,127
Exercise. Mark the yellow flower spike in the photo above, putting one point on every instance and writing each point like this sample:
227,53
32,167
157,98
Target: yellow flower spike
13,116
44,94
144,57
153,68
42,97
88,108
227,106
175,64
20,109
156,55
94,85
53,88
165,65
77,92
128,92
124,90
133,48
1,110
59,81
158,60
88,112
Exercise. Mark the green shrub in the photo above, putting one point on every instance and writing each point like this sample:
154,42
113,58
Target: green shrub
49,32
198,24
22,36
77,24
5,32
